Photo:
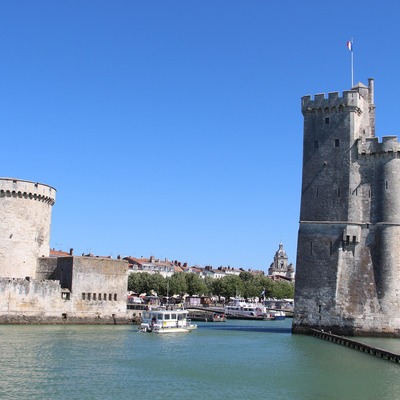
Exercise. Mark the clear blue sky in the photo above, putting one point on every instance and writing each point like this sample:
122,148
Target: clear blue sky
173,127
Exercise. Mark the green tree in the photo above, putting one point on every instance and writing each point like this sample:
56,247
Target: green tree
246,276
177,284
146,282
265,284
232,286
133,282
139,282
253,284
195,284
143,282
217,287
283,290
209,281
158,284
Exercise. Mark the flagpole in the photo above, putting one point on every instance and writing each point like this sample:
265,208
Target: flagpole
350,47
352,64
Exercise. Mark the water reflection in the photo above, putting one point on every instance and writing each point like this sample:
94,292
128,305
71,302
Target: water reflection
248,328
235,360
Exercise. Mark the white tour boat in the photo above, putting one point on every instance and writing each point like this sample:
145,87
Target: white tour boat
239,309
166,320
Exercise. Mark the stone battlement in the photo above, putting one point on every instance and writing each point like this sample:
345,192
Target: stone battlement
350,98
17,188
372,146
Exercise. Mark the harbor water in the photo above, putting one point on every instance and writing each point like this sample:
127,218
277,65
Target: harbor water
230,360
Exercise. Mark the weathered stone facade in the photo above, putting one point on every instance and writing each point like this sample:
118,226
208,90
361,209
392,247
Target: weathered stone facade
348,264
36,288
25,215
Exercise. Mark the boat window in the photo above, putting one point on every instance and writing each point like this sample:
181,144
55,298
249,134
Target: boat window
173,316
167,316
159,316
146,315
180,317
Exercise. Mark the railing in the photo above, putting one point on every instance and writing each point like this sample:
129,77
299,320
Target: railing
355,345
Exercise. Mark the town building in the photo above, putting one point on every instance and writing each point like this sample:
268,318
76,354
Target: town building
153,265
348,264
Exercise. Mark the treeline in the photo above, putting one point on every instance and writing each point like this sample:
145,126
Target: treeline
245,285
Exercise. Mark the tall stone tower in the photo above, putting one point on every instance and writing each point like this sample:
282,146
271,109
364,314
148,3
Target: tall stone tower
25,218
348,257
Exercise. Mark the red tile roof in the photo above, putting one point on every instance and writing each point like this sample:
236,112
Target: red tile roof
59,253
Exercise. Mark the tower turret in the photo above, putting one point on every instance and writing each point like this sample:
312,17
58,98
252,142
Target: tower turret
25,218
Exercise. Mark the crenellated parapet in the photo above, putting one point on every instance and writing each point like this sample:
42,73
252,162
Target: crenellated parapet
17,188
351,100
372,146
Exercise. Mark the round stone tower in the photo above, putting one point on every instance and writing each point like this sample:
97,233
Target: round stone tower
388,235
25,218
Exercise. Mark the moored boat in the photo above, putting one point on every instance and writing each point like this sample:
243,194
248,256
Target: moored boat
217,318
206,316
166,320
239,309
284,305
277,315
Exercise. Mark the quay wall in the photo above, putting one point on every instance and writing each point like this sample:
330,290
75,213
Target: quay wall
95,295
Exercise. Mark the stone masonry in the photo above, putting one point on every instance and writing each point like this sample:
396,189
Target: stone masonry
36,288
25,215
348,264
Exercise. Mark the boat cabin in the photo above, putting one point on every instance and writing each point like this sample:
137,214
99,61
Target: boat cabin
166,319
163,318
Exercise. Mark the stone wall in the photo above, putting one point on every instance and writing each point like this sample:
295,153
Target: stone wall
26,301
99,285
95,295
45,268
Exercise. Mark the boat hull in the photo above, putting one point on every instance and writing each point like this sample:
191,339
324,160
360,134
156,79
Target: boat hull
245,317
171,330
206,317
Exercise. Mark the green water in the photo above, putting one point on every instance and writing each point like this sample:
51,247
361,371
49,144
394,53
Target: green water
232,360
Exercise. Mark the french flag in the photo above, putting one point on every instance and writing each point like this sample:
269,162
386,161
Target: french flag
350,45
